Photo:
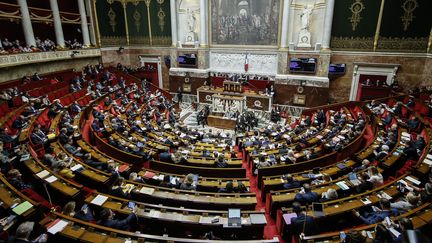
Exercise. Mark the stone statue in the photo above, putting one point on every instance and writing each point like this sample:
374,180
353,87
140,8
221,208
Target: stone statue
191,20
305,16
304,39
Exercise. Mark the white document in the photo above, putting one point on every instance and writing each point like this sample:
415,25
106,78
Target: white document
57,226
43,174
416,182
76,167
51,179
99,200
147,190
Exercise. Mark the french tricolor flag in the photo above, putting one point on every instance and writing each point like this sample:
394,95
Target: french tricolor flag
246,65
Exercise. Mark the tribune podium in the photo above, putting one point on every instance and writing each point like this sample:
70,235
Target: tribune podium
231,86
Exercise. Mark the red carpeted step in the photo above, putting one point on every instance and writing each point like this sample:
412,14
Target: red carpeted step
270,230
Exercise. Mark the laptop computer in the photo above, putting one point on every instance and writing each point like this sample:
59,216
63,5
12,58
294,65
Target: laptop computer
353,179
318,209
234,217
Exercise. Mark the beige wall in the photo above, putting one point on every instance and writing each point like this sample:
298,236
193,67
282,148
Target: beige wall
16,72
413,71
130,56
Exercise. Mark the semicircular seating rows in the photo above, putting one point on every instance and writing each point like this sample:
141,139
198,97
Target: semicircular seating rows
116,145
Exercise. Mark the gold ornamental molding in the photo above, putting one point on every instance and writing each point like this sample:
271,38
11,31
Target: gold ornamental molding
135,40
408,6
113,40
356,8
403,44
352,43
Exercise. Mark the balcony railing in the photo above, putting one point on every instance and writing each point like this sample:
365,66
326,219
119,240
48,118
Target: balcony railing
35,57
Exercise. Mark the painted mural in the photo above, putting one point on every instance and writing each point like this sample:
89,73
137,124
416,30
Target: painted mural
245,22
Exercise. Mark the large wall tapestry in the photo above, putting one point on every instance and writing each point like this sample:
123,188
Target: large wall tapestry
245,22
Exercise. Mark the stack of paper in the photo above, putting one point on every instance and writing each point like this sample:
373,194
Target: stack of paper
342,185
414,181
22,208
51,179
428,162
147,190
43,174
99,200
77,167
57,226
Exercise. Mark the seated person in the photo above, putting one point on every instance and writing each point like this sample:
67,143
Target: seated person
39,137
412,123
329,195
290,182
306,195
377,215
93,163
188,183
118,189
72,149
229,188
14,178
375,177
241,188
221,162
84,213
365,185
19,123
23,233
410,201
303,223
106,218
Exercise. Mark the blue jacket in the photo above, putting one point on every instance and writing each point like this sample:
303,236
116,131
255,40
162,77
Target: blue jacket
375,217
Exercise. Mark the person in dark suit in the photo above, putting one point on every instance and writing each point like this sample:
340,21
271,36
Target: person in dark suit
378,215
19,123
63,136
420,143
365,185
38,136
23,233
106,218
408,233
412,123
75,107
290,182
306,195
303,224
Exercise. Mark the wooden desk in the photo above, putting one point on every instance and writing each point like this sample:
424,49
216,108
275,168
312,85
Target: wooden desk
254,100
221,122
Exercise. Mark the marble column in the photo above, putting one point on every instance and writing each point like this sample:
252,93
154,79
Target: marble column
203,23
84,25
328,21
173,8
26,23
284,31
58,29
88,6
